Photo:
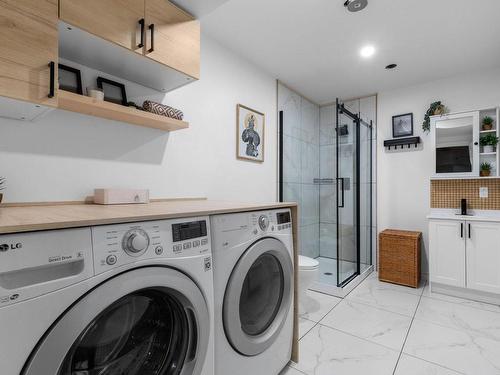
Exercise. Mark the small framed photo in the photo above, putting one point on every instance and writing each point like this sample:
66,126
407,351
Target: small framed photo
114,92
249,134
402,125
70,79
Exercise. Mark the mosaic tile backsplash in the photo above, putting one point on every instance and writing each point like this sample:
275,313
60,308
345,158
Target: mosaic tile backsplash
448,193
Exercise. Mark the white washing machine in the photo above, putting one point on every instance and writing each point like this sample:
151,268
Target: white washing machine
253,287
127,299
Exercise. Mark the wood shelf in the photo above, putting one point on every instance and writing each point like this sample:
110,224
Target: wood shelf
488,131
89,106
487,153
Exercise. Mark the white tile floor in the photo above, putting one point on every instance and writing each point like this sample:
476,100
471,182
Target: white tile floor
385,329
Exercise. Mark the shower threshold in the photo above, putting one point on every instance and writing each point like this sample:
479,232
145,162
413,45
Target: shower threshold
327,279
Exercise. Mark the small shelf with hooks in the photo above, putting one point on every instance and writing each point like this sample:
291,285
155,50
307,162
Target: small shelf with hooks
407,141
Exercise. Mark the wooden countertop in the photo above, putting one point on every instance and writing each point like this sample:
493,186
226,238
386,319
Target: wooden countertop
25,218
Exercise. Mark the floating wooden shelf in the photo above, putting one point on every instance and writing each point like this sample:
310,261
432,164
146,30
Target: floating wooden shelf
89,106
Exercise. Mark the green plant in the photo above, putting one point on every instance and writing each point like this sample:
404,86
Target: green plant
489,140
2,183
436,108
486,166
487,120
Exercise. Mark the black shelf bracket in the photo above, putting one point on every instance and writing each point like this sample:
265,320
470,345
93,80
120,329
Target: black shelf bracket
408,141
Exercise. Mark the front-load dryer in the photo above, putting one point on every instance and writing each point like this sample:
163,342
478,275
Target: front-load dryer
126,299
253,287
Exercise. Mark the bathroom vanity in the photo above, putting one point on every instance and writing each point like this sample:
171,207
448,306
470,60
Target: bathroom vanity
465,254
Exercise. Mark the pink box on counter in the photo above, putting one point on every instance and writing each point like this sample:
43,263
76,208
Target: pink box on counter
120,196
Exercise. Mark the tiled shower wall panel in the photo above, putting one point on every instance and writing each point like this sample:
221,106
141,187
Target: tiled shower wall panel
448,193
301,163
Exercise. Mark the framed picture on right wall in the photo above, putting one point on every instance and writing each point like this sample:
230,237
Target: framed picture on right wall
402,125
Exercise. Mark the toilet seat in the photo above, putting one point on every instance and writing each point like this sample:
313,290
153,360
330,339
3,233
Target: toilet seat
306,263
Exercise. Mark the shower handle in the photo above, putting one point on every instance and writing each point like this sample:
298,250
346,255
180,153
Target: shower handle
342,187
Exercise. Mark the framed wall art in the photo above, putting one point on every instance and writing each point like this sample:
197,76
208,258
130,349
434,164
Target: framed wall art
70,79
249,134
402,125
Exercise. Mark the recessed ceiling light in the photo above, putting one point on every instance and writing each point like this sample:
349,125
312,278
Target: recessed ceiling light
367,51
391,66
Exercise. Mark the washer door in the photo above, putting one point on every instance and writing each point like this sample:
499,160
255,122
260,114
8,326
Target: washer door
258,297
148,321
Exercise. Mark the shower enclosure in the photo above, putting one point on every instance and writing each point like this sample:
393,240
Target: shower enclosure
326,165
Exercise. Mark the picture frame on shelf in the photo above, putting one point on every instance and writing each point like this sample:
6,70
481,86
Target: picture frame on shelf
402,125
70,79
250,126
114,92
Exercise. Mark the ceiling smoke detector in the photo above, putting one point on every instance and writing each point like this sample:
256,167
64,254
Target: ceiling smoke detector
355,5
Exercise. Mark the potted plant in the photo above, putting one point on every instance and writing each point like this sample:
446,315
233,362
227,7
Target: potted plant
489,142
485,169
2,187
487,123
436,108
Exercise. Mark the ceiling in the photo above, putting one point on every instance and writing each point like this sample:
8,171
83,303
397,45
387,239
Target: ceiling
313,45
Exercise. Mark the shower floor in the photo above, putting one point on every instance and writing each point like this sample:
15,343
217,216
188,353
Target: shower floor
328,270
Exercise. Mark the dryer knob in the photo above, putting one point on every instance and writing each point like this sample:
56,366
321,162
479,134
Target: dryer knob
135,241
263,222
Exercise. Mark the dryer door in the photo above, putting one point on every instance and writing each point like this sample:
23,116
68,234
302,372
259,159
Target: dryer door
258,296
151,320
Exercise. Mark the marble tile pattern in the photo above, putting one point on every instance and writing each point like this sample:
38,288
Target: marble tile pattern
386,329
301,161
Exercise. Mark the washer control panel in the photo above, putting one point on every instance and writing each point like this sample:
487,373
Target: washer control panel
121,244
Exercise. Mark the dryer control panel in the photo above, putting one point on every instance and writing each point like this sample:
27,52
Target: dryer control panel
117,245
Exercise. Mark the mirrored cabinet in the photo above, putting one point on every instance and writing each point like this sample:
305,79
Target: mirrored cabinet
457,145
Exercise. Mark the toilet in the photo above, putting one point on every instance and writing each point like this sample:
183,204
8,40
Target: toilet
308,273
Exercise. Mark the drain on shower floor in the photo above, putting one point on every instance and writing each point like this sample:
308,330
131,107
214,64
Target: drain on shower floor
328,273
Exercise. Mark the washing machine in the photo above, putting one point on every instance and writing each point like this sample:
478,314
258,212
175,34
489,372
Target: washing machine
253,287
126,299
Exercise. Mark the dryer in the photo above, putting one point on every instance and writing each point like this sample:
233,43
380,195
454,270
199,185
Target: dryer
253,288
131,299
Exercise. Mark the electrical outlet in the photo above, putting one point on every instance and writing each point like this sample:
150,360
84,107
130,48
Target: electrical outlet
483,192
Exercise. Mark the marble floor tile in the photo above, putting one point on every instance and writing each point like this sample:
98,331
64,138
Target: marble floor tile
382,285
325,351
463,351
461,301
486,323
316,305
408,365
375,325
305,326
384,296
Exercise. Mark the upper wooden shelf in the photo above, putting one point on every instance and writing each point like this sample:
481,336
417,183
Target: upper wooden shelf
89,106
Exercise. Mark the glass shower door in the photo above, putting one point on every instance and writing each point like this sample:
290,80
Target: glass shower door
347,196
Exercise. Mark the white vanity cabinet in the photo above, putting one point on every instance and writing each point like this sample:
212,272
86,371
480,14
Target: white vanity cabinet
483,256
465,254
447,258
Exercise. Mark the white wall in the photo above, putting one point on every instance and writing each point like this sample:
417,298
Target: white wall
403,176
65,156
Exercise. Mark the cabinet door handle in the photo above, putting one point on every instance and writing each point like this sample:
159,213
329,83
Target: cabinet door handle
469,231
52,66
141,44
152,28
461,230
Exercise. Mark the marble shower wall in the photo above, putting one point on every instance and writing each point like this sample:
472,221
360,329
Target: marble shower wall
301,155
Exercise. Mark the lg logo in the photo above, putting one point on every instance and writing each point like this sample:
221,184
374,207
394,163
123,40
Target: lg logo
13,246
